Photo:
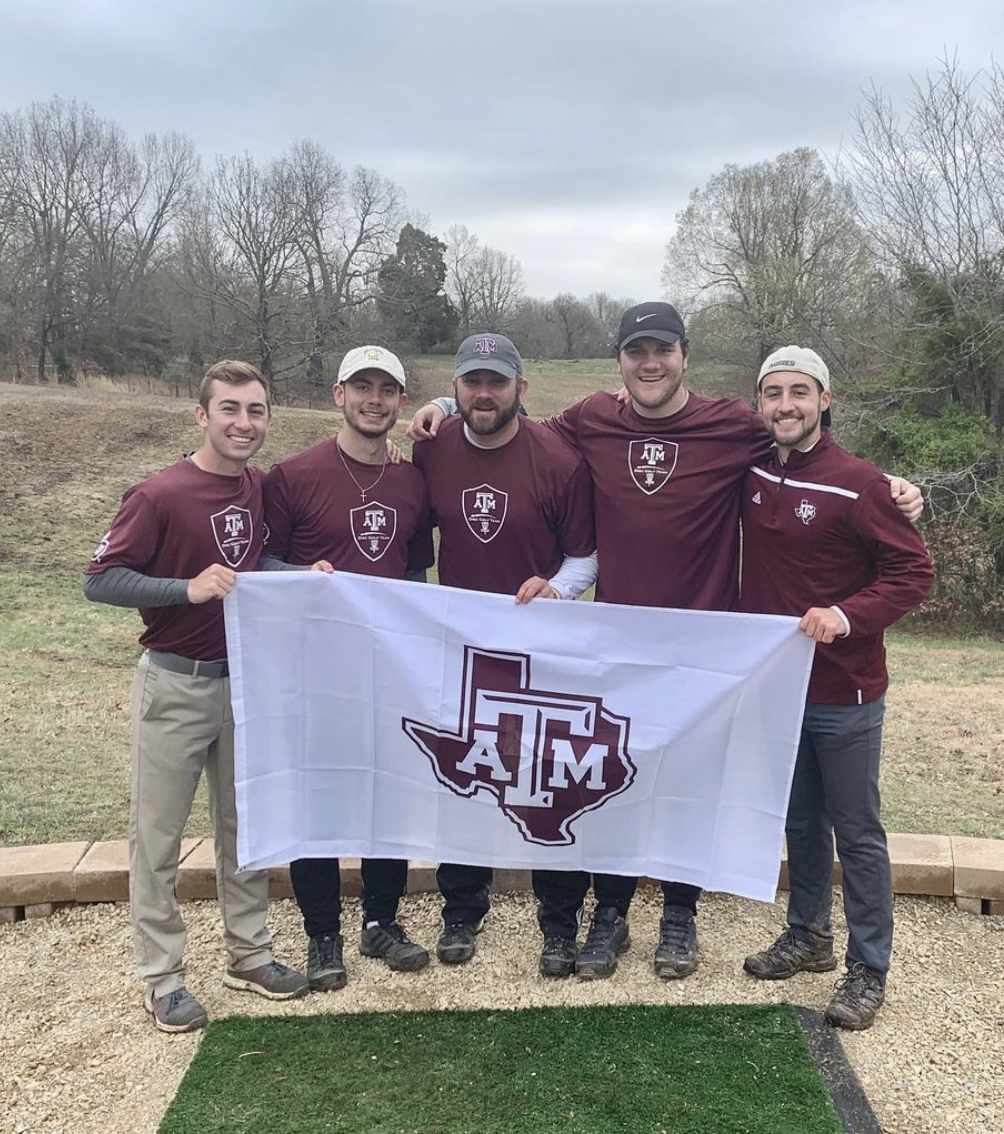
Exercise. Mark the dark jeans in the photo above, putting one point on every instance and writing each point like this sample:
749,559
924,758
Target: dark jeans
561,894
317,885
835,791
465,891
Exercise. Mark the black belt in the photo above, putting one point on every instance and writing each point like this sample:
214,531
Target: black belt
177,664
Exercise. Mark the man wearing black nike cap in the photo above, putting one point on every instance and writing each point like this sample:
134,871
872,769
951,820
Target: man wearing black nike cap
667,467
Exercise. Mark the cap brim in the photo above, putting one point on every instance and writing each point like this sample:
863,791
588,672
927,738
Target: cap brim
343,378
496,365
653,333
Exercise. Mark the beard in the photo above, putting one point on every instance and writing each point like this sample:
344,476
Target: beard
485,427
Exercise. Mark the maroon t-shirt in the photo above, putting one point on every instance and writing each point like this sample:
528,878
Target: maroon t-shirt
509,513
314,511
823,530
174,526
667,496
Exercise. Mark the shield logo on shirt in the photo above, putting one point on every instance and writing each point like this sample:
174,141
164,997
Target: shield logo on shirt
484,511
651,462
233,529
373,528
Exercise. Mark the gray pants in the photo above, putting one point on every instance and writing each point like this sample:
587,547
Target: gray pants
835,791
182,725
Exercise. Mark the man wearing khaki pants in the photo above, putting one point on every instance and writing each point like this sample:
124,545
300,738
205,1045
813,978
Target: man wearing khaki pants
174,551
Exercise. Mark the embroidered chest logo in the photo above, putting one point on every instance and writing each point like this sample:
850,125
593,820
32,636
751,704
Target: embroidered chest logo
233,529
485,510
373,528
806,512
547,757
651,462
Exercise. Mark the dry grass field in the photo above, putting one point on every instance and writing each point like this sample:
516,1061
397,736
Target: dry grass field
66,456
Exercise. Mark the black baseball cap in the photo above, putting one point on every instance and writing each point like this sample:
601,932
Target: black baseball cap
652,321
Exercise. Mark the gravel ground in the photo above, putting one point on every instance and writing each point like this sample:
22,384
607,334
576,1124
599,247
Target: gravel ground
78,1054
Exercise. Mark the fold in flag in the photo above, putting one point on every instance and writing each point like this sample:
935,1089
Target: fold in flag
386,719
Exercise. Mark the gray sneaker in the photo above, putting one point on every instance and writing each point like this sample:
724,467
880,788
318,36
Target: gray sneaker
856,999
176,1011
676,953
607,937
458,942
274,981
789,955
325,967
389,941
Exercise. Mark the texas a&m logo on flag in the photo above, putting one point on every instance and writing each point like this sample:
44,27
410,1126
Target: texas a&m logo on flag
651,462
373,528
547,757
233,528
484,511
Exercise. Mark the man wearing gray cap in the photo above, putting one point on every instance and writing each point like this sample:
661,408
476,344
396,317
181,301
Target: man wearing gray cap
514,508
823,541
667,465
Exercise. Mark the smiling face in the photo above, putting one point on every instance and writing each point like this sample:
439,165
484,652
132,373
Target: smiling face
652,371
370,401
234,422
488,401
791,405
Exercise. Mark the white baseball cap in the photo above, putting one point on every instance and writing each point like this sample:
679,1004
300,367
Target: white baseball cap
371,358
798,359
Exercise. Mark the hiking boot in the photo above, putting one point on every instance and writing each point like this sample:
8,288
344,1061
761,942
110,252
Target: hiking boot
325,968
457,942
608,935
789,955
557,959
389,941
176,1011
856,999
273,981
676,953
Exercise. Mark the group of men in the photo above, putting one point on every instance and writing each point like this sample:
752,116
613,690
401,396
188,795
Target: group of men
641,493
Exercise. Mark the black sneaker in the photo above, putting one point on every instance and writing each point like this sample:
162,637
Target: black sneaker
608,935
325,968
457,942
856,999
676,953
389,941
557,958
789,955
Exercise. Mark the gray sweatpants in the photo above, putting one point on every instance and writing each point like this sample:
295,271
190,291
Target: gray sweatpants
182,725
835,792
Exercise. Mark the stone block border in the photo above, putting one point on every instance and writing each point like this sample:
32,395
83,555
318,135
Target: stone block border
36,881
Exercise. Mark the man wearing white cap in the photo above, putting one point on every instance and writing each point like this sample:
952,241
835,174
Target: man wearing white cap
343,505
823,540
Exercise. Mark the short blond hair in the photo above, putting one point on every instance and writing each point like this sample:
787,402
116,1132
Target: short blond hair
234,373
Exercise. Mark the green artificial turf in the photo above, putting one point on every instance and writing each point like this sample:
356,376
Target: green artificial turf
644,1070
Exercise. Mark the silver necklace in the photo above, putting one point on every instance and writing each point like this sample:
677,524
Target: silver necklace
370,488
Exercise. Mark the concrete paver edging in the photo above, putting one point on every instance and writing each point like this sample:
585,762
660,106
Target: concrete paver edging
36,880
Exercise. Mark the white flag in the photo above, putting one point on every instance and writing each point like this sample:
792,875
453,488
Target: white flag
386,719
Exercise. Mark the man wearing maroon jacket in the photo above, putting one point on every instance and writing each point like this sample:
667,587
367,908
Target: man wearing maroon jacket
174,551
341,503
514,508
667,467
823,540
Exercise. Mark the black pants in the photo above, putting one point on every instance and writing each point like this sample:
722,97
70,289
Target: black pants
561,894
465,891
317,885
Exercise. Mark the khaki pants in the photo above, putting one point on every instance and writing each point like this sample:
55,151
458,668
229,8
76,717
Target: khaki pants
182,724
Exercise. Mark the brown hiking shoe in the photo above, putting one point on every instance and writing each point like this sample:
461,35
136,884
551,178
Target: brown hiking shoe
789,955
856,999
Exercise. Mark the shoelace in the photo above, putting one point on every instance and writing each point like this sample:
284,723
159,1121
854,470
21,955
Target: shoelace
600,933
674,933
857,985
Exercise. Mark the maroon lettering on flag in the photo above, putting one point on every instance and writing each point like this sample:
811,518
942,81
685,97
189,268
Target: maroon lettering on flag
373,528
652,462
484,511
233,528
547,757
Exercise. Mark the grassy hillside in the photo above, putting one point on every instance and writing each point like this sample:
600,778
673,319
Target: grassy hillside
66,457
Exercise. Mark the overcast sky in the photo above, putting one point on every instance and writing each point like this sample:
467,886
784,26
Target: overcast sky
567,132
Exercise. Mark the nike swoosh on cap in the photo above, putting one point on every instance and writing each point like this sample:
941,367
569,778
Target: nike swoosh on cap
650,315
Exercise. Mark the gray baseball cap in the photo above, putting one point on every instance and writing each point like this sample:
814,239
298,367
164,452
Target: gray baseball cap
488,352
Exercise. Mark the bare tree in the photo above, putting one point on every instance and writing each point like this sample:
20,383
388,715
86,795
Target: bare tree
484,285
